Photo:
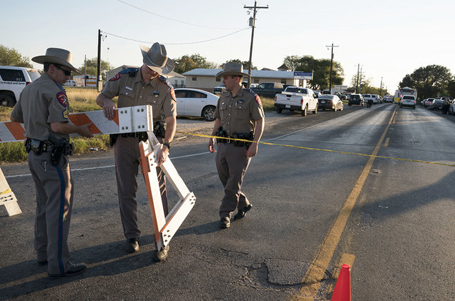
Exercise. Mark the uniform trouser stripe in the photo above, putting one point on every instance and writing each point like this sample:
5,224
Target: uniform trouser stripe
60,220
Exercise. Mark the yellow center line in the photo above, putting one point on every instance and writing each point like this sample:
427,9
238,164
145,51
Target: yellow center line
317,268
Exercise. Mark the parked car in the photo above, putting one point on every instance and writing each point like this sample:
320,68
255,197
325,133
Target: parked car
436,104
356,99
452,109
12,81
219,89
330,102
427,102
408,101
387,98
374,97
196,103
70,83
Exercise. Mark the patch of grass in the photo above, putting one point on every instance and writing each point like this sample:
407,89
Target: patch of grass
268,103
5,113
12,152
84,145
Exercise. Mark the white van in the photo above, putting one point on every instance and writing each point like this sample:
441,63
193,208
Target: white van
12,81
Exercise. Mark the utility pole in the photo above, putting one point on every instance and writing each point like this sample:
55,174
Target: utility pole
98,73
85,71
252,24
380,88
357,84
331,67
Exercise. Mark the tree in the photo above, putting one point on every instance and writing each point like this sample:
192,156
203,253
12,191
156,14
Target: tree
91,67
11,57
320,69
245,64
429,81
189,62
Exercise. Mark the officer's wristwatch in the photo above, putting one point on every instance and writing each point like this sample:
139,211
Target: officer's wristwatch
168,145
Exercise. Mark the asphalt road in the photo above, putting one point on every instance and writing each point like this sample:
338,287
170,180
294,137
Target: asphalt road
317,202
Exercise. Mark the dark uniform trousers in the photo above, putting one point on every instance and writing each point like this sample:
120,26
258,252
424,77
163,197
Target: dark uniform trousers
54,202
127,154
232,163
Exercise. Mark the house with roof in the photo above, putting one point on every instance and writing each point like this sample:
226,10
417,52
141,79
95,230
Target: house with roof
206,79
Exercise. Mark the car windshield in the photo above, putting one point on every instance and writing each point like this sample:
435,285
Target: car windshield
296,90
355,96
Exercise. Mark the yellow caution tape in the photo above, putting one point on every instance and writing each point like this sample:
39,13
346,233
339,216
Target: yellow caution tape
319,149
6,191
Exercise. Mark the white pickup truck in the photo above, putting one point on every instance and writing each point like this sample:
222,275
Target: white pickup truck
296,98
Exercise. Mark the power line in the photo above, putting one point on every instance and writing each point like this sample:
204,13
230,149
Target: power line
167,18
187,43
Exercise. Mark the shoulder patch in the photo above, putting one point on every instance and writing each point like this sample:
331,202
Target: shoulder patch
173,94
115,77
256,97
164,80
62,99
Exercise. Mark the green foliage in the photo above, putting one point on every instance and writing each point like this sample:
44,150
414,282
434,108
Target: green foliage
84,145
11,57
12,152
320,69
91,67
190,62
429,81
245,64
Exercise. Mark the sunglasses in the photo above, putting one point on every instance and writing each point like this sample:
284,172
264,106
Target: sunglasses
67,73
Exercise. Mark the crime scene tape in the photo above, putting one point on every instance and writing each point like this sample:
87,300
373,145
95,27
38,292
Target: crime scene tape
319,149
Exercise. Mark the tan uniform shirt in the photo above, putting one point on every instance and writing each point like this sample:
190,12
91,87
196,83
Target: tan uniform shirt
42,102
132,91
238,114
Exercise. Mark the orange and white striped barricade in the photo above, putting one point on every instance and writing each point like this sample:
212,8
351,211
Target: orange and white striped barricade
126,120
7,197
165,226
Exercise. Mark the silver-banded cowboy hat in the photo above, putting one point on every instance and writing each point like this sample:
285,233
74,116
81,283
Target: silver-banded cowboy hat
232,69
58,56
156,58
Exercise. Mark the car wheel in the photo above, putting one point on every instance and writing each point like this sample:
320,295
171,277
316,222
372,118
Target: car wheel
279,110
305,111
7,100
315,110
209,113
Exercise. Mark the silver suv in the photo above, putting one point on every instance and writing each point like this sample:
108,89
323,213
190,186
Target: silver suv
12,81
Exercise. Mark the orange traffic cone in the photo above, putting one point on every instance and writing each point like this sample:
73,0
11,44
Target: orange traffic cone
342,290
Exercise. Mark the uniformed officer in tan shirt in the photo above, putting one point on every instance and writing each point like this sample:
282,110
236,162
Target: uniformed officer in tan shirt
239,115
134,87
43,108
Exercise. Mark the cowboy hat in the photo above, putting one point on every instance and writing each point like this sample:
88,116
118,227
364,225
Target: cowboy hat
156,58
58,56
232,69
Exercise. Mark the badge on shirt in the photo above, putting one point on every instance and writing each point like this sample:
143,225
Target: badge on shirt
61,97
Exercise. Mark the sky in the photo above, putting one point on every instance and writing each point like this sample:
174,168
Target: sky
385,40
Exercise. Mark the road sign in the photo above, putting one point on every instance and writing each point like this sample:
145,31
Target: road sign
303,75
